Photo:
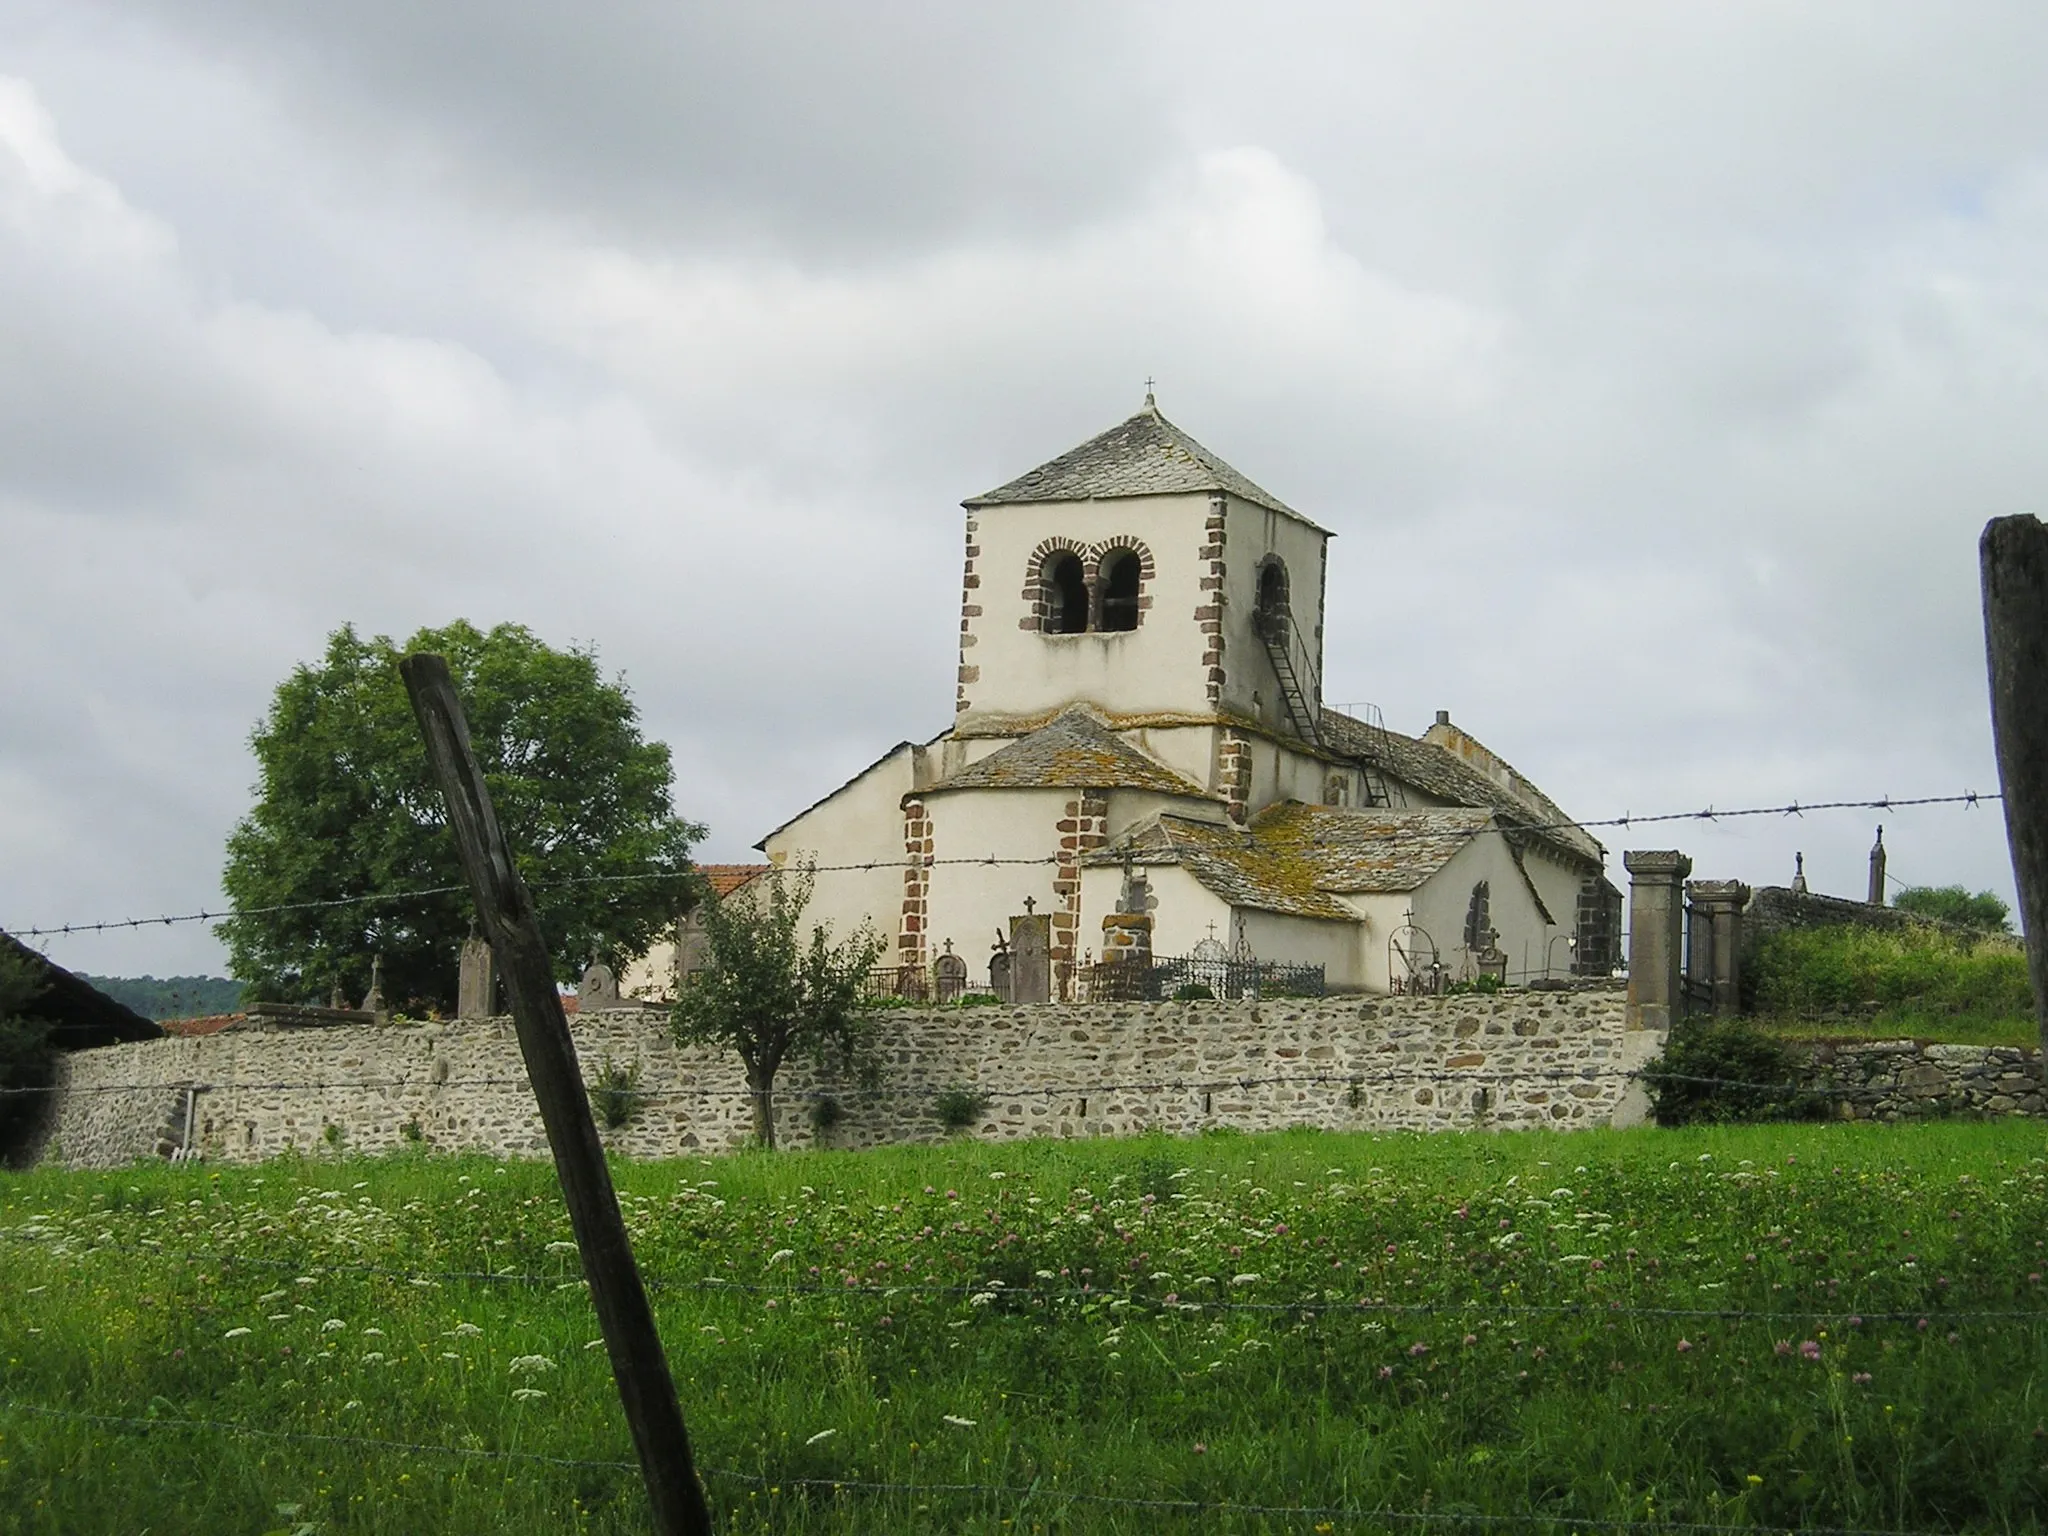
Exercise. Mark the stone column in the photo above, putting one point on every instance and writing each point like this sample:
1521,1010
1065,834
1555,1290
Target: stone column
1656,907
1714,939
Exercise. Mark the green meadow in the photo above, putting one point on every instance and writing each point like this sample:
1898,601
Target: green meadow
1767,1327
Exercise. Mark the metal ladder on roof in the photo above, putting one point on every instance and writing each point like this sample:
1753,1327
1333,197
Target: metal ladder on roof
1276,631
1377,791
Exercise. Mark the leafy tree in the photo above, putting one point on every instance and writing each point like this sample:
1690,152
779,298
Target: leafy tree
767,993
346,805
1953,904
1725,1072
174,997
26,1056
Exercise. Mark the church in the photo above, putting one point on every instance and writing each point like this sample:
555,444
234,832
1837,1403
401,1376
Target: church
1140,689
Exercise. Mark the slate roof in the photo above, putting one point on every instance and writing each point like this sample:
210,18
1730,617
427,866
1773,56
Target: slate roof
1076,751
80,1016
1298,859
1144,456
1445,776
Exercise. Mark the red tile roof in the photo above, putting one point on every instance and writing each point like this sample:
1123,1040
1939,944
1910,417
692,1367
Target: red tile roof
727,878
208,1024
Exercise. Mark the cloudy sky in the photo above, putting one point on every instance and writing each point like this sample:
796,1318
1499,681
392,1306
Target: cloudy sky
1657,364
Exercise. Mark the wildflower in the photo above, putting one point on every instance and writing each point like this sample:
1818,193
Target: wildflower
1471,1338
237,1333
1782,1348
1754,1481
820,1436
1418,1348
1201,1449
884,1322
780,1254
1808,1350
561,1247
1246,1279
1861,1378
332,1325
957,1422
520,1365
373,1333
463,1331
1386,1371
526,1394
1685,1346
375,1357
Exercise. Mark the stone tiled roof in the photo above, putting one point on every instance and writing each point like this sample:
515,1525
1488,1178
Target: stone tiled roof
1299,859
1144,456
1443,775
1076,751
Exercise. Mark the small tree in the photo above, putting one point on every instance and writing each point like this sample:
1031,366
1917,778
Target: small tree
1954,904
767,993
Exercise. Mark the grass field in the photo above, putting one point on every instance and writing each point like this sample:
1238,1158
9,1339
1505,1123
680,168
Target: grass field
1834,1326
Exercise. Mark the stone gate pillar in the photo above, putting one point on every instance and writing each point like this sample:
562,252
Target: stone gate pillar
1714,939
1656,907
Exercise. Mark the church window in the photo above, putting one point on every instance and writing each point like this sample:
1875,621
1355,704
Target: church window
1066,595
1478,919
1120,572
1272,606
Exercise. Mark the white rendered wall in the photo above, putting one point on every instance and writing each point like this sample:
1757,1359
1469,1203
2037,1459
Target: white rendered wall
859,824
1440,906
971,903
1155,667
1337,947
1252,533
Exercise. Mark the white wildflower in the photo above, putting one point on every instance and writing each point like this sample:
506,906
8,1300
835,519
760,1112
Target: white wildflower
237,1333
595,1344
981,1298
560,1247
823,1434
374,1333
526,1394
375,1357
463,1331
269,1296
780,1254
999,1174
1245,1279
305,1280
449,1354
332,1324
957,1422
351,1403
521,1364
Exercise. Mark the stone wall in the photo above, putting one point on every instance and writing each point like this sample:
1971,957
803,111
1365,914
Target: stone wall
1512,1060
1902,1079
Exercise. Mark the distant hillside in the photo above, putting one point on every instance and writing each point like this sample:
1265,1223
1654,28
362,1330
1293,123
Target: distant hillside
175,997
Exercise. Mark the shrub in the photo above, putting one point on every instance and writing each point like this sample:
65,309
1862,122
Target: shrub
412,1131
958,1108
825,1114
1485,985
27,1058
1193,992
1723,1071
615,1094
1911,974
1954,904
978,1000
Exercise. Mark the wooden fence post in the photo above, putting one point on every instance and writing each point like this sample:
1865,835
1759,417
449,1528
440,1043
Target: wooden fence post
624,1318
2014,556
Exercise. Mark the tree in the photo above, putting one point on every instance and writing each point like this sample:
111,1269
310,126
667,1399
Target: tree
767,993
1952,904
346,806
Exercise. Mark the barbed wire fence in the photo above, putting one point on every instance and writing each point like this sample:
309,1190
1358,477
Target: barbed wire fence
1503,826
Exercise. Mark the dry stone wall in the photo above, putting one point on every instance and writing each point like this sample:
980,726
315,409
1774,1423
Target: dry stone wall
1904,1079
1110,1069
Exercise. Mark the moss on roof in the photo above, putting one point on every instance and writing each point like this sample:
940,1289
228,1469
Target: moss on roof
1300,860
1076,751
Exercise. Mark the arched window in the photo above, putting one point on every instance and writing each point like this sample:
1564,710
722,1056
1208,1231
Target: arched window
1066,595
1479,932
1272,606
1118,579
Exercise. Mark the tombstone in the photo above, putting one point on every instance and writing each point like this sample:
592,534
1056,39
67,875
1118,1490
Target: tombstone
598,989
1031,958
999,970
949,976
476,980
1877,870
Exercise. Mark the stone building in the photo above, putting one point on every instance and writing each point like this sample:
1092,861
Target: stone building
1140,682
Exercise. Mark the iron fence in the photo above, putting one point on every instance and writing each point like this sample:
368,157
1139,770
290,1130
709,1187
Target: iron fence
1227,977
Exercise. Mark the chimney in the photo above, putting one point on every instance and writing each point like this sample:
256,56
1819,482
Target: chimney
1443,717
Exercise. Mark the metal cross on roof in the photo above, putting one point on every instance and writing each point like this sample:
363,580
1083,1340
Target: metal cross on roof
1030,906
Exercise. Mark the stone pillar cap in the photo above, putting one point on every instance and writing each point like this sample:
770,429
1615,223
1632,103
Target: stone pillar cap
1716,892
1657,861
